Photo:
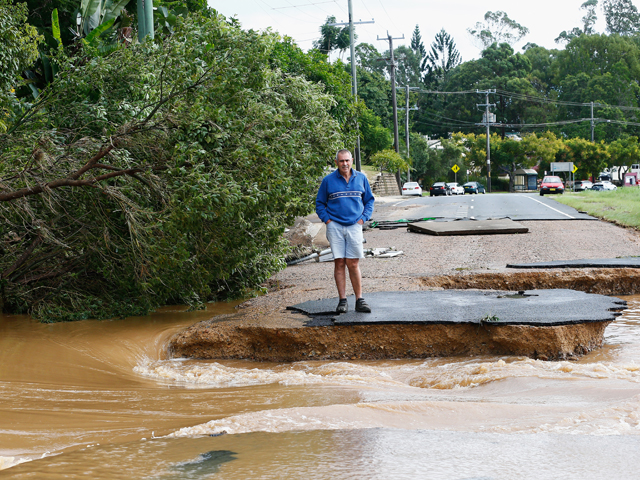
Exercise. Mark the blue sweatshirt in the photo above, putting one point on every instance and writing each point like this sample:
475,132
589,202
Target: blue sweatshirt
343,202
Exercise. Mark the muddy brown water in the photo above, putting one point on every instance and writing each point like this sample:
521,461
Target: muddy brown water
100,400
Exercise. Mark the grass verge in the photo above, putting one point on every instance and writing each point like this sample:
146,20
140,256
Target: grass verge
621,206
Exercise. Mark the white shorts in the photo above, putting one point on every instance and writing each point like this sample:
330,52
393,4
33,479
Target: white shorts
345,240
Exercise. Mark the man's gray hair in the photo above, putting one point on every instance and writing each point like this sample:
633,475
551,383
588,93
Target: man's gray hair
343,150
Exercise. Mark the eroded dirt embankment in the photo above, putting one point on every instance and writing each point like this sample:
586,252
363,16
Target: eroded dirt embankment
368,342
605,281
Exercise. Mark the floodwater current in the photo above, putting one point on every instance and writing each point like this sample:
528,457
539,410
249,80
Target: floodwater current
100,400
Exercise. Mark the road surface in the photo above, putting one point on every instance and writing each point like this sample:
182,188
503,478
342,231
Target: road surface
516,206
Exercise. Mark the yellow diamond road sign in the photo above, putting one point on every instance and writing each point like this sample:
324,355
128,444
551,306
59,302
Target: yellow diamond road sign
575,169
455,168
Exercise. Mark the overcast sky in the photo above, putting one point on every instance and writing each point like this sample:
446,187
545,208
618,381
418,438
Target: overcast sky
301,19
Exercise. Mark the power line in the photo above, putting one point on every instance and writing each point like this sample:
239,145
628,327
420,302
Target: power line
303,5
388,16
531,98
464,92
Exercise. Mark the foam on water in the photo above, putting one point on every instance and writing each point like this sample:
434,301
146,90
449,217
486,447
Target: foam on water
427,374
216,375
616,419
8,462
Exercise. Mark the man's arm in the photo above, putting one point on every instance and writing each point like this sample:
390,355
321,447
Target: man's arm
322,198
368,200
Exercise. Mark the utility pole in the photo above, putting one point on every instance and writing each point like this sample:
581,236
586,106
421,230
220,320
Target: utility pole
354,81
593,125
489,118
392,73
407,88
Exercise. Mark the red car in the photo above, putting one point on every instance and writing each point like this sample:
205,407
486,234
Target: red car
551,184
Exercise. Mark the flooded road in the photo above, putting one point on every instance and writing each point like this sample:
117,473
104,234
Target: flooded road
100,400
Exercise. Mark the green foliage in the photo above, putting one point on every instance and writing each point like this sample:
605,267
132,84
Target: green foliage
98,12
409,70
375,137
55,26
375,91
427,165
624,151
19,42
334,79
603,69
389,161
590,158
621,16
170,170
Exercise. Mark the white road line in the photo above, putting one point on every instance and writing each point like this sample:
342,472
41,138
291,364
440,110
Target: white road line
554,209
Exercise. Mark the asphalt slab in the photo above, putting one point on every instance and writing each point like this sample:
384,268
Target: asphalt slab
468,227
623,262
531,307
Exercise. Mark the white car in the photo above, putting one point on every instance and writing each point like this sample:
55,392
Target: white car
604,185
455,188
411,188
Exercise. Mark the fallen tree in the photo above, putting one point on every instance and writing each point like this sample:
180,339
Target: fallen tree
162,173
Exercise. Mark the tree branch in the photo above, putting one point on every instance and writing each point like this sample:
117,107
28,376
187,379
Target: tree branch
23,258
65,182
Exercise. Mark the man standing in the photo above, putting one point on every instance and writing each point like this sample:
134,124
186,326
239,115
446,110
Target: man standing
344,202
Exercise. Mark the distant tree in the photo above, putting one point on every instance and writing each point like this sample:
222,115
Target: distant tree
601,69
588,21
375,137
427,164
589,157
389,161
332,38
621,16
408,71
418,47
624,151
497,28
369,58
441,59
590,18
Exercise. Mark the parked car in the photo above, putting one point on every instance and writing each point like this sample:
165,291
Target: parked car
411,188
603,186
473,187
439,188
582,185
551,184
455,188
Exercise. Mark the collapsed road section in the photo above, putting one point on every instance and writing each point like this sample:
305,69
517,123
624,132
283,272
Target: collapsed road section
544,324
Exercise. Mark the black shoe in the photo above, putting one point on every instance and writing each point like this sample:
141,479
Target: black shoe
342,306
362,306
